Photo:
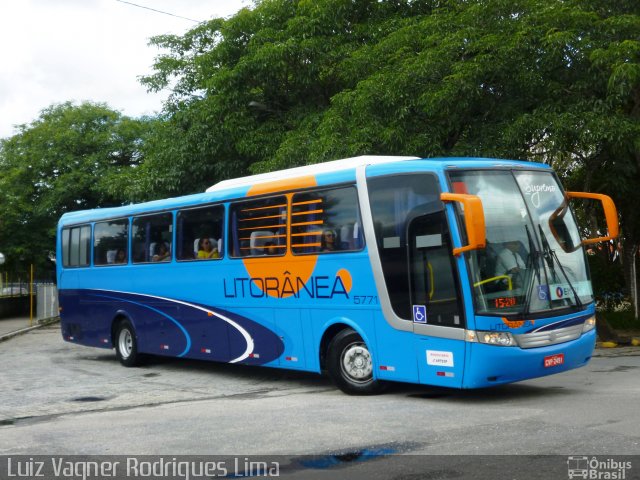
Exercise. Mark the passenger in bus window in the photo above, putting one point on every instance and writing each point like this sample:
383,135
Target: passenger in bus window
328,241
121,256
268,249
206,250
161,254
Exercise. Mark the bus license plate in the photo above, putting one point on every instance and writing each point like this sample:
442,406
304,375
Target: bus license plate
554,360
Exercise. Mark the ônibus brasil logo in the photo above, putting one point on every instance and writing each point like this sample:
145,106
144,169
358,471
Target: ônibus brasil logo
596,469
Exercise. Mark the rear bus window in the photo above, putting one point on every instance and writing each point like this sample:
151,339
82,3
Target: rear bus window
152,238
200,233
326,221
259,228
110,241
76,246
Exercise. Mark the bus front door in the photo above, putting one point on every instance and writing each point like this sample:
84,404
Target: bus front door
438,319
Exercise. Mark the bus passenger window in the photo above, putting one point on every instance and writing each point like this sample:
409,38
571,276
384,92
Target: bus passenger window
152,238
200,233
76,244
259,227
326,221
110,240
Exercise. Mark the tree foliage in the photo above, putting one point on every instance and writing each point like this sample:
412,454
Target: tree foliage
68,159
289,83
248,90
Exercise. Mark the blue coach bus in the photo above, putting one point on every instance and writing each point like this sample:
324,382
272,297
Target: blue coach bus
454,272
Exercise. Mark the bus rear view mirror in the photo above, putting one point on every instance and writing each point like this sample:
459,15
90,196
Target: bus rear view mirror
610,214
561,225
473,220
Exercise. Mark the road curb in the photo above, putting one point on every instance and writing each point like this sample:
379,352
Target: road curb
41,323
619,351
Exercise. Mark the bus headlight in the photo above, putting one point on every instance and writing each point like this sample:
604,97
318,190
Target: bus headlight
502,339
589,325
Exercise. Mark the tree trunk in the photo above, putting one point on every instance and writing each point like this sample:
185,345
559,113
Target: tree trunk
630,261
606,333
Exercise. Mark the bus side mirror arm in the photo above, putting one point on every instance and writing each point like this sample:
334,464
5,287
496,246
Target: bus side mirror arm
610,214
473,220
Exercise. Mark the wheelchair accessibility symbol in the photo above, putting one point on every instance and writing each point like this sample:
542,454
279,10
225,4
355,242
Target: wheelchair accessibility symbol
419,314
543,292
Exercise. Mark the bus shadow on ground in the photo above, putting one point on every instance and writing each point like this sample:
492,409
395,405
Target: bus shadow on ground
157,366
498,394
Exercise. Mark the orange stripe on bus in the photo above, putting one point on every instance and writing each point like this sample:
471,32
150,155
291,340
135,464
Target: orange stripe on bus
259,218
263,236
307,212
263,208
306,245
317,222
282,185
263,227
307,234
319,200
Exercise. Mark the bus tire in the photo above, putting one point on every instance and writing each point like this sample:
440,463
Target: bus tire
126,344
350,364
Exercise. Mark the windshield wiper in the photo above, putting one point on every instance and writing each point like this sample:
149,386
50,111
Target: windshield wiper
534,256
551,257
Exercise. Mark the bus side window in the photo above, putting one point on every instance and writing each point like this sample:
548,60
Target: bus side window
325,221
152,238
395,200
259,227
200,233
76,248
110,240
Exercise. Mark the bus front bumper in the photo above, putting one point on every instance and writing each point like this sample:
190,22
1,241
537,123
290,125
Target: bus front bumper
490,365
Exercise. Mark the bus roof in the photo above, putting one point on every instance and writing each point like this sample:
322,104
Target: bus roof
332,166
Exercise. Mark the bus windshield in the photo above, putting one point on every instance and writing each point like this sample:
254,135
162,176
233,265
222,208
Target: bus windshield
533,261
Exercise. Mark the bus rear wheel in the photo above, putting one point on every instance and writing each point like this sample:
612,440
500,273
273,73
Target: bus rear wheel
350,364
126,344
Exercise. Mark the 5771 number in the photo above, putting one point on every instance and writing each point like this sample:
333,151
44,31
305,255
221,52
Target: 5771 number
365,299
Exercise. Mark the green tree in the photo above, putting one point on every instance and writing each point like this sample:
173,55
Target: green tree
248,90
70,158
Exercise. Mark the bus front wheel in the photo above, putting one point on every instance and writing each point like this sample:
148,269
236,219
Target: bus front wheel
126,344
350,365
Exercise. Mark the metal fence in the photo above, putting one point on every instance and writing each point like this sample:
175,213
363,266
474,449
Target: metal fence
17,284
13,289
46,301
16,300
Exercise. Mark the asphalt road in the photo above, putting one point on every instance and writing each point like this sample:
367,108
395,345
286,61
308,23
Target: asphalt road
59,398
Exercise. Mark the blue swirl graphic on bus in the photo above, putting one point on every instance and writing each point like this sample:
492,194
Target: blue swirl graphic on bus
184,331
230,337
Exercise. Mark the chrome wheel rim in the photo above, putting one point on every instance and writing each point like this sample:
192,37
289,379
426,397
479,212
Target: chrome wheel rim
356,363
125,343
